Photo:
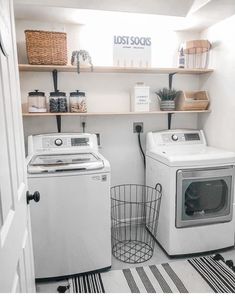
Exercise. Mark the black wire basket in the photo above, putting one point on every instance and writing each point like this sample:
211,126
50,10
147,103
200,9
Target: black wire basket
134,214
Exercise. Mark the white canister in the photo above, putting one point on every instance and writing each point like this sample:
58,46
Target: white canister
77,101
37,102
140,98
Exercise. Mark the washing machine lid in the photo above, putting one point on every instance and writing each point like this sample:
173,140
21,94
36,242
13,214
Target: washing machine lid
197,156
63,162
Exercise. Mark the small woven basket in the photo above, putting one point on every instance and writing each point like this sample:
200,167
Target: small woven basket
46,47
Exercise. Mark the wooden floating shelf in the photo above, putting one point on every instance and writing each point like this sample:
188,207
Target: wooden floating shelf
114,113
111,69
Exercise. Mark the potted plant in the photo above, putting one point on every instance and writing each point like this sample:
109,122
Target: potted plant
81,57
167,98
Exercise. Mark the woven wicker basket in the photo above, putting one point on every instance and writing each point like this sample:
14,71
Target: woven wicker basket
46,47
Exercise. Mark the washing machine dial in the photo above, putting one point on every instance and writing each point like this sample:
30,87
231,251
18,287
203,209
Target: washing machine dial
174,137
58,142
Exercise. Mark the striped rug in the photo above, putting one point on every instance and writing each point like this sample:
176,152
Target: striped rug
197,275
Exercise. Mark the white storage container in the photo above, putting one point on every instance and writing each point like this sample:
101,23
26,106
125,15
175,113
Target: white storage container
140,98
37,102
58,102
78,102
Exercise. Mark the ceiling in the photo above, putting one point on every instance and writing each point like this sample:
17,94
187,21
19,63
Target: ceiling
178,14
158,7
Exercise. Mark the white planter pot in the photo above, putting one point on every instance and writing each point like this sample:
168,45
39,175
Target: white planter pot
167,105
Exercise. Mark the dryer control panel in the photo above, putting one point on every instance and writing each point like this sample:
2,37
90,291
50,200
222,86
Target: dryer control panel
174,138
181,137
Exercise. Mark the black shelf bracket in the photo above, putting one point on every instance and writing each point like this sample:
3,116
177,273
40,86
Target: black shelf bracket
55,80
171,79
169,115
58,121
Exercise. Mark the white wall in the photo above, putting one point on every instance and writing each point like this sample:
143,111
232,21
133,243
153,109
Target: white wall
219,125
107,92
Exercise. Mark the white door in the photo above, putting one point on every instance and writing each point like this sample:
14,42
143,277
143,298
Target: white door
16,258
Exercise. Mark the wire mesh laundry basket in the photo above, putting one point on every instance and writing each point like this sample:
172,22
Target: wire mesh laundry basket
134,213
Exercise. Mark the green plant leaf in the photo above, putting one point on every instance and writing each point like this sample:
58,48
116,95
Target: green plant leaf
166,94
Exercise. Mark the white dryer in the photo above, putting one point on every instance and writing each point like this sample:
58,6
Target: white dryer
197,208
71,223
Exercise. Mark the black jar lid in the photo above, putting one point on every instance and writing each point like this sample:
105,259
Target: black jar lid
77,93
74,93
37,93
57,94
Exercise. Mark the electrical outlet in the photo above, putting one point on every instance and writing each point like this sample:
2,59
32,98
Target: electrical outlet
138,124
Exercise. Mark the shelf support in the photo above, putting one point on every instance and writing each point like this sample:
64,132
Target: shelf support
171,79
58,121
169,116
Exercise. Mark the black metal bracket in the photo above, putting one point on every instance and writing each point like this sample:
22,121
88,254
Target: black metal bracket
58,121
55,79
171,79
169,115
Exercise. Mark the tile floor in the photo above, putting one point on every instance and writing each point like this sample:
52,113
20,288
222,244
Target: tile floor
158,257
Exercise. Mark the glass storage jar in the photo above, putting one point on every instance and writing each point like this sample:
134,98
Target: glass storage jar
77,101
58,102
37,102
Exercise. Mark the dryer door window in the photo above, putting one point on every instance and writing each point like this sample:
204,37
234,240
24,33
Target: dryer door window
204,196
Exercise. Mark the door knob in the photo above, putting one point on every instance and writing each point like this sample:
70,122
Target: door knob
35,196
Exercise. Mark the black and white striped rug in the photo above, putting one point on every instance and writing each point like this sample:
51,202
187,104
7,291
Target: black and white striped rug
197,275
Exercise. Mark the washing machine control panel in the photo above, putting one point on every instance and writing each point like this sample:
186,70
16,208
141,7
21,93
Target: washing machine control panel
64,142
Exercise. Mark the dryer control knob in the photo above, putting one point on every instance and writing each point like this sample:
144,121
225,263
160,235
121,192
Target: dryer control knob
174,137
58,142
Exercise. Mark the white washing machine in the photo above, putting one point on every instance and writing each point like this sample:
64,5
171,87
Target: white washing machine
71,226
197,206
